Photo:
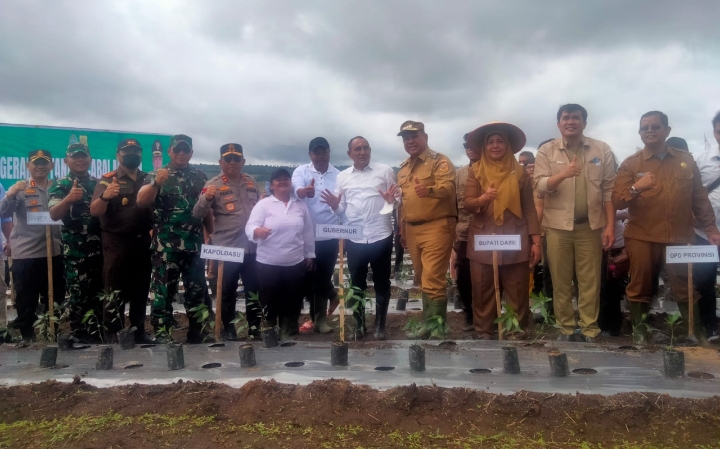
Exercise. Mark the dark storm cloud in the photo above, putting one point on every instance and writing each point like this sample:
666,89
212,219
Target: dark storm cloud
273,74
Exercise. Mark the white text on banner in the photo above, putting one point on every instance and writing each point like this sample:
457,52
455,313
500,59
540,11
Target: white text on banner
497,243
691,254
338,231
222,253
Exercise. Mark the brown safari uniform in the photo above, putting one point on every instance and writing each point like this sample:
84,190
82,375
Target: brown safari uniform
428,224
514,269
126,250
664,215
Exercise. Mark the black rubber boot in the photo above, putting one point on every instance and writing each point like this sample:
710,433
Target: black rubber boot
359,317
320,318
638,319
381,309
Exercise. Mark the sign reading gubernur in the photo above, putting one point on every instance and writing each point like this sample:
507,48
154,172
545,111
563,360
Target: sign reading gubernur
497,243
338,231
691,254
222,253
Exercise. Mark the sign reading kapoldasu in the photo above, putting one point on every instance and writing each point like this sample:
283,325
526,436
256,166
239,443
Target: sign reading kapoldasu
497,243
338,231
224,253
691,254
42,218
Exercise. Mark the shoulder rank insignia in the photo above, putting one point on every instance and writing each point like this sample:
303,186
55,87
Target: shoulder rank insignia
433,154
110,174
403,163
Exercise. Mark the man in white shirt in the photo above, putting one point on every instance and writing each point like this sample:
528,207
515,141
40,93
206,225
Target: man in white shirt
364,196
319,175
705,274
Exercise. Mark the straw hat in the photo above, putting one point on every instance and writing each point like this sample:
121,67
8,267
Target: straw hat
514,134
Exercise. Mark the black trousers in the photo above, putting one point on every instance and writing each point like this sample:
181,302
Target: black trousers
399,250
378,255
30,277
127,268
280,290
232,272
612,291
705,278
319,283
464,279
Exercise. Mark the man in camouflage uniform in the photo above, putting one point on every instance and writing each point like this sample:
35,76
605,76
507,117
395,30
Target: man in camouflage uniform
69,200
229,197
173,191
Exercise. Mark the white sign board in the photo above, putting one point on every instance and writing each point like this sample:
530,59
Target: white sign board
338,231
691,254
497,243
222,253
41,218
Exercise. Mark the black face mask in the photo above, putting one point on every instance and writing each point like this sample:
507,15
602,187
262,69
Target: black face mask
131,161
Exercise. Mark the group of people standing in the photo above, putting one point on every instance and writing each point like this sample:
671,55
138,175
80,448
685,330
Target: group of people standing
136,232
586,216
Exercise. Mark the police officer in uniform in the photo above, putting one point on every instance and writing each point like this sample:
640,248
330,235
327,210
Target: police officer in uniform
69,201
428,217
125,241
173,191
28,243
230,196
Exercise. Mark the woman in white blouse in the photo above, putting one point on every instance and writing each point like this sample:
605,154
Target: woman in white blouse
282,228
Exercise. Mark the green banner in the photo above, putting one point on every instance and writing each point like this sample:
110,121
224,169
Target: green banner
16,141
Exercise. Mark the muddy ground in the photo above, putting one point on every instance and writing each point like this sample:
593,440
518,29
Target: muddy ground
338,414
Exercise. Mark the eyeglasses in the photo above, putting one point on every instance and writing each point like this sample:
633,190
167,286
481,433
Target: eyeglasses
182,149
646,128
232,158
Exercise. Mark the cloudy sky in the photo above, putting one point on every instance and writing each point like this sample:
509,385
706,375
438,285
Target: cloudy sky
273,74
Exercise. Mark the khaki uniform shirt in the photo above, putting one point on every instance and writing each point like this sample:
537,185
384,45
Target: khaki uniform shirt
122,215
435,171
461,230
668,212
231,208
598,167
28,241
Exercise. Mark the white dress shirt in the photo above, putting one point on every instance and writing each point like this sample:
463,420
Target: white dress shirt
291,239
708,163
320,212
361,202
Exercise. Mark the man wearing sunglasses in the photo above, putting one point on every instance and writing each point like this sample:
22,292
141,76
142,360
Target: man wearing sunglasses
230,196
125,241
663,191
177,236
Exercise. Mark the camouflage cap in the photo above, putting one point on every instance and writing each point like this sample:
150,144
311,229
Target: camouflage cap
128,143
39,154
231,148
178,139
75,148
410,125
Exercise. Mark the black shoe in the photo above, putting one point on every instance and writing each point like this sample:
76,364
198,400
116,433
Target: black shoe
144,339
229,333
582,338
198,338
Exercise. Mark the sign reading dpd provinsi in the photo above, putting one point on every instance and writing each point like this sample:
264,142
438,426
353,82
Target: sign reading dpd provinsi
497,243
691,254
338,231
42,218
222,253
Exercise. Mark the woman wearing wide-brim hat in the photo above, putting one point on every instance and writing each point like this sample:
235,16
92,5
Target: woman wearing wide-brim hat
499,194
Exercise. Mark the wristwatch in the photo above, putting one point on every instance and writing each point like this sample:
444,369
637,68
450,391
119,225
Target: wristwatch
634,191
